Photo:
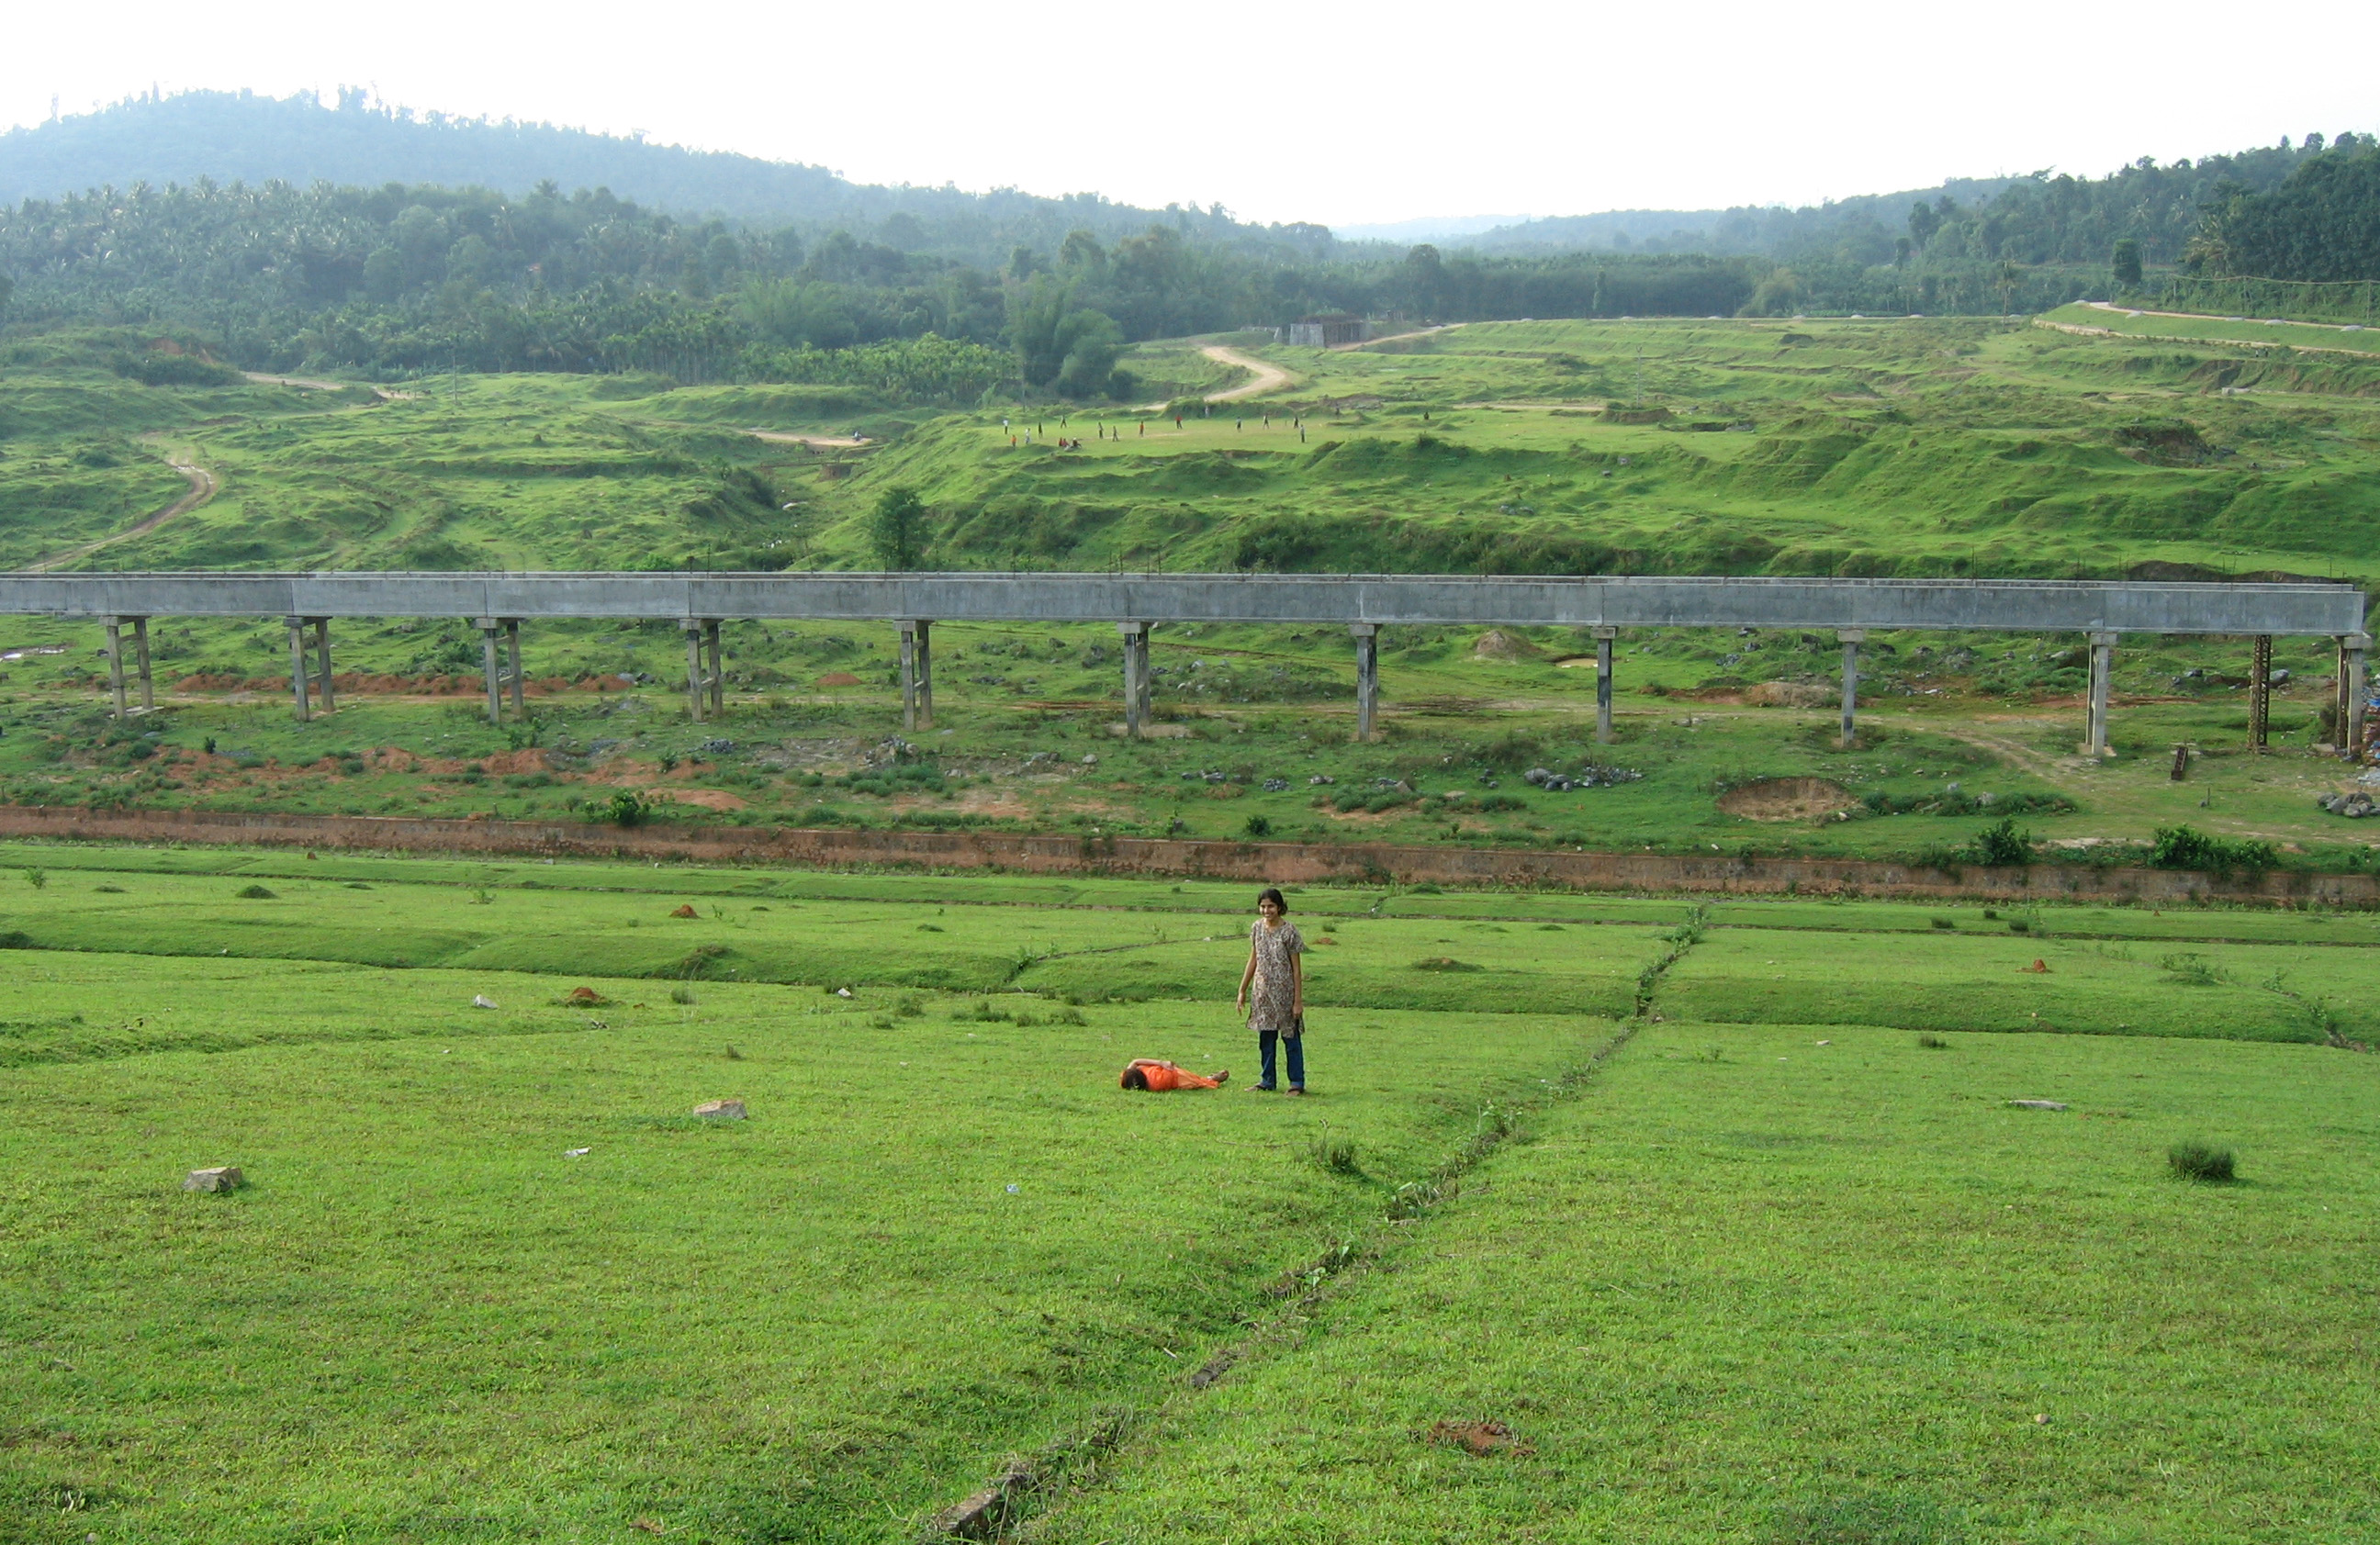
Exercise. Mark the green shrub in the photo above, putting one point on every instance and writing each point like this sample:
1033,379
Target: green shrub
2199,1160
1445,962
37,878
256,893
2000,843
1933,1043
1256,827
1945,922
2187,848
627,808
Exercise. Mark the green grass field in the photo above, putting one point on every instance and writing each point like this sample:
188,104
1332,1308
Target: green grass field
1676,1194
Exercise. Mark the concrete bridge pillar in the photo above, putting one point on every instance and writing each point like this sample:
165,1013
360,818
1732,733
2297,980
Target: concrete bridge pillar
491,667
2351,693
2260,694
1851,639
1604,638
916,675
323,664
706,682
1135,677
512,664
1368,677
297,683
116,662
2103,671
717,651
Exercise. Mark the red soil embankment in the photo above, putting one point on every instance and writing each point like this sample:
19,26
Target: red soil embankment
1270,861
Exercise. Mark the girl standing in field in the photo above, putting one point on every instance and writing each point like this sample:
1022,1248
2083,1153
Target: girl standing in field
1277,1010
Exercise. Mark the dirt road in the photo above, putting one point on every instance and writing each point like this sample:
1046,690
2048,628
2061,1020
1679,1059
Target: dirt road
816,442
309,383
1269,376
1395,337
203,488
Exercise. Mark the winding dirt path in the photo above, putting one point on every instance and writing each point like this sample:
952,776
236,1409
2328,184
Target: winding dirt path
309,383
203,488
816,442
1269,376
1397,337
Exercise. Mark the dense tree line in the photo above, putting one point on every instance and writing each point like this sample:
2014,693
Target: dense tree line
2321,224
400,280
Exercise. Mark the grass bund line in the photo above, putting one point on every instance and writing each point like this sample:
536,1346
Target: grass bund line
1669,1221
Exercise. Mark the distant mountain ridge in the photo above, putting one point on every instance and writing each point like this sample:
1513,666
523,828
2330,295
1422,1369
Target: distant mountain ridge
240,135
1745,228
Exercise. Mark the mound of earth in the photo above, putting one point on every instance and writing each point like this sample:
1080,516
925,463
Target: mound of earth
1498,644
1792,695
1787,799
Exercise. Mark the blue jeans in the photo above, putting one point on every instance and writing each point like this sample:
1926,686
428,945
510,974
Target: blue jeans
1296,1044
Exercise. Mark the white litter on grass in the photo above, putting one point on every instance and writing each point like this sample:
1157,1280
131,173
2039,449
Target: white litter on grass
478,1002
577,1153
842,992
1826,1043
1013,1190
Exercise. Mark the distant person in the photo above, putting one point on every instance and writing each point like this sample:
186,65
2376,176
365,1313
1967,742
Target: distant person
1301,434
1159,1078
1143,428
1277,1007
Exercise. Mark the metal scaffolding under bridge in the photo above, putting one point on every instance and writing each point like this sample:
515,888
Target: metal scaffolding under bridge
500,603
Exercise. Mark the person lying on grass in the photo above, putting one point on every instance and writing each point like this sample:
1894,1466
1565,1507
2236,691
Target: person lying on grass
1148,1072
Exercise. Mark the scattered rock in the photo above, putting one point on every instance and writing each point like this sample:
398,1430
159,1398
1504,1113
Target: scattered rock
1090,760
2038,1104
842,992
478,1001
1481,1438
721,1110
685,911
222,1177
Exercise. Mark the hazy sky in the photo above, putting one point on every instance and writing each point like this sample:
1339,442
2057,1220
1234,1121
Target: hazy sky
1344,114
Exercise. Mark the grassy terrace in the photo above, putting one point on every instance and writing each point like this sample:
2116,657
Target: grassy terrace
1859,447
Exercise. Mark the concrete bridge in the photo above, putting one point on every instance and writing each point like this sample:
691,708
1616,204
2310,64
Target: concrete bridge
500,603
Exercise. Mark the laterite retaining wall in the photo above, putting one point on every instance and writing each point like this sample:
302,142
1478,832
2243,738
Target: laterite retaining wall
1272,863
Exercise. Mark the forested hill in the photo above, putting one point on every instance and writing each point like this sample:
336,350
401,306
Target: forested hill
223,138
2036,219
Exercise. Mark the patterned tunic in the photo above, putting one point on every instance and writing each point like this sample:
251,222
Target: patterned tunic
1272,996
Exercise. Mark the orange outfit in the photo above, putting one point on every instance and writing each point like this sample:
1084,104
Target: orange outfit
1163,1076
